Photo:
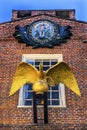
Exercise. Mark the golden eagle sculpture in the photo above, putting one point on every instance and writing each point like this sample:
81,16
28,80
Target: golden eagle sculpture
42,80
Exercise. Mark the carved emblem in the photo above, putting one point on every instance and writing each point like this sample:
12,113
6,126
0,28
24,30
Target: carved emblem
42,33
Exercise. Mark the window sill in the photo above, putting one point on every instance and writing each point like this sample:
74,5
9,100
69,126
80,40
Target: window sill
40,106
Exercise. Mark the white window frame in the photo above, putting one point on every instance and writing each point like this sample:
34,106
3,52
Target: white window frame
25,57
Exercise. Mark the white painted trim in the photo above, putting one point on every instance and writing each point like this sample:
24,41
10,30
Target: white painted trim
20,101
62,95
23,106
42,56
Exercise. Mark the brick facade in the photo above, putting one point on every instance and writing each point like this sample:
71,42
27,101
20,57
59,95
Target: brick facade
17,14
74,116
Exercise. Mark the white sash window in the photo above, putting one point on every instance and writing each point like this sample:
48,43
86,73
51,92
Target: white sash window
56,94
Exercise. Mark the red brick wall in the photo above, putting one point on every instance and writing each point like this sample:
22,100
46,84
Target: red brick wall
59,13
74,116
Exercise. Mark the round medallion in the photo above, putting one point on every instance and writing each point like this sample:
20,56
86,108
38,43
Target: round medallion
42,31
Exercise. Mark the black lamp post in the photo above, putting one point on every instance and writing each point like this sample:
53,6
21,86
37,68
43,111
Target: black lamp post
40,99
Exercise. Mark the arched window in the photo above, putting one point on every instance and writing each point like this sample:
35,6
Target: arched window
56,94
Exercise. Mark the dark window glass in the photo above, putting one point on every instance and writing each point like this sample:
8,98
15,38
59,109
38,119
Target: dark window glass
55,102
37,67
45,68
38,61
48,102
48,95
28,103
28,87
55,95
45,63
28,95
55,87
53,63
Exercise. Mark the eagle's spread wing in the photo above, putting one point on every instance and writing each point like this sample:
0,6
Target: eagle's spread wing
61,73
25,73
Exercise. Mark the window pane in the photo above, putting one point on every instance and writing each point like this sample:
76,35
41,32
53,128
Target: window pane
53,61
56,87
28,95
28,87
37,67
31,62
48,102
48,95
27,103
38,61
55,102
45,68
55,95
46,62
